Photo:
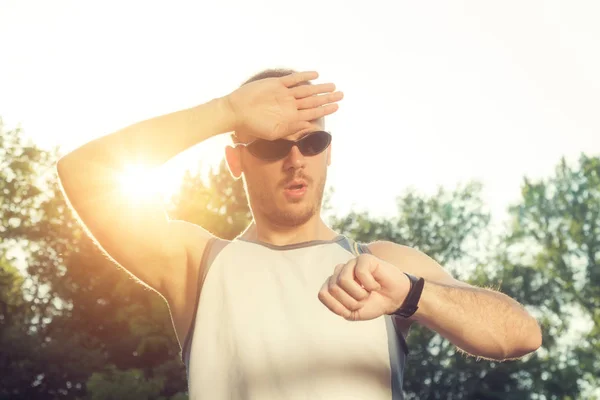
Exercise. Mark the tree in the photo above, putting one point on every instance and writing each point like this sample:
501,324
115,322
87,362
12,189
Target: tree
70,296
556,231
29,353
451,227
58,291
217,203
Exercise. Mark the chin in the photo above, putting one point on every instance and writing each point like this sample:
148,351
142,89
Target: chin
281,210
292,214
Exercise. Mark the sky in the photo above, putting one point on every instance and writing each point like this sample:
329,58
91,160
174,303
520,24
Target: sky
436,93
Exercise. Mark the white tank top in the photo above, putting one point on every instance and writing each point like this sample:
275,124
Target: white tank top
260,332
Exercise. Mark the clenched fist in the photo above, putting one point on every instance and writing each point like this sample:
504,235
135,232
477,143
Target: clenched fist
365,288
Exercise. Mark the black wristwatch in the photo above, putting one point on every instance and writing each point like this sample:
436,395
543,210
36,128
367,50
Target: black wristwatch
410,304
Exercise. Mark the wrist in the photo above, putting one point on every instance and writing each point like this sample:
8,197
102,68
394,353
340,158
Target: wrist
214,117
225,114
429,303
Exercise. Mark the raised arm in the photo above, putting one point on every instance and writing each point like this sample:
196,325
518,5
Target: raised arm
138,235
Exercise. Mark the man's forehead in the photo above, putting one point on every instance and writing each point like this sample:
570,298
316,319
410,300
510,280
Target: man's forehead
316,125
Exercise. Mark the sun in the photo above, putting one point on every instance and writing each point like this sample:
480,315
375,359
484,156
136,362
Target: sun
138,182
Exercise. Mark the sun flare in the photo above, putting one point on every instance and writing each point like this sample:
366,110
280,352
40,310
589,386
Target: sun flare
138,182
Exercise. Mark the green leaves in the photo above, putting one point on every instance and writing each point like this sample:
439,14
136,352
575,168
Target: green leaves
75,326
559,216
449,226
217,203
128,384
547,260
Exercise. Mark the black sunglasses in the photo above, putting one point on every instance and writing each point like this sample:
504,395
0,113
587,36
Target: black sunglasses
273,150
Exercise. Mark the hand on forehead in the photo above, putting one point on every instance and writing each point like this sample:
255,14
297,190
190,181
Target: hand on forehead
316,125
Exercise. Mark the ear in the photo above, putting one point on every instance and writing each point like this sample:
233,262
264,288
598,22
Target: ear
232,156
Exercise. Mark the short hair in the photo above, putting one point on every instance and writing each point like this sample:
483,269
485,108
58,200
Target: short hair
273,73
269,73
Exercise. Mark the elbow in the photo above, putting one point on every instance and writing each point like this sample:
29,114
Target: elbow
64,174
527,343
533,339
65,171
61,169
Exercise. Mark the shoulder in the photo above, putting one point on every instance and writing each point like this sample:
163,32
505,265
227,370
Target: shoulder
190,234
411,261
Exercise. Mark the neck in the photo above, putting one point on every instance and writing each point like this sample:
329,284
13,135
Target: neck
314,229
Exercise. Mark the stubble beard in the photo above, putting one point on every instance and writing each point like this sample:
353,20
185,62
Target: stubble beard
263,201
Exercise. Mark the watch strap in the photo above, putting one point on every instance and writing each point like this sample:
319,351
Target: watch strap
410,304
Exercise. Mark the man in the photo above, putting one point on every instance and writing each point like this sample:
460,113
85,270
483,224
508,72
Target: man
290,309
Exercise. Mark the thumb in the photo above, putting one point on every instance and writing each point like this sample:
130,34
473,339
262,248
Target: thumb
384,273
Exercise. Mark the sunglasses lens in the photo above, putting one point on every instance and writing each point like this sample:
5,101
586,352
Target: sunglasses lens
310,145
314,143
270,150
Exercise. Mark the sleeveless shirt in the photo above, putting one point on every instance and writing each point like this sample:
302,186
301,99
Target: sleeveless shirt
260,332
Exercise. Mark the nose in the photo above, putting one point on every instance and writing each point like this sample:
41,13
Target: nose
295,159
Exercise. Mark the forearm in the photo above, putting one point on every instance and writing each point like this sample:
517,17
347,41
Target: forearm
151,142
479,321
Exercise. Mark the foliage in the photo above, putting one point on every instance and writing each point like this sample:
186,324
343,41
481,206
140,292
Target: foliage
75,326
530,263
218,203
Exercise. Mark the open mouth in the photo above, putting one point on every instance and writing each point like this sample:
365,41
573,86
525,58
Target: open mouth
295,190
299,186
296,184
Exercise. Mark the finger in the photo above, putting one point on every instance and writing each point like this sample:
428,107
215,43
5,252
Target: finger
348,283
364,273
342,296
302,91
317,101
337,270
333,304
298,77
314,113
